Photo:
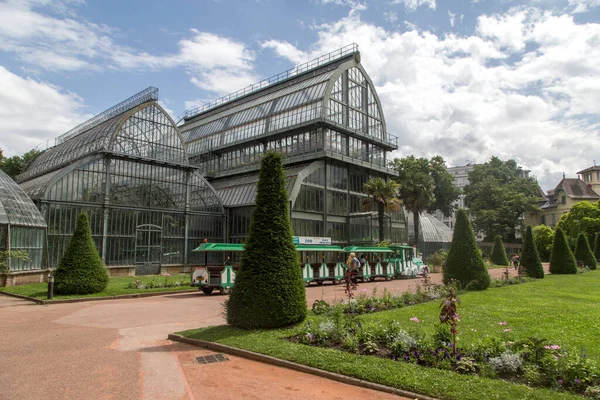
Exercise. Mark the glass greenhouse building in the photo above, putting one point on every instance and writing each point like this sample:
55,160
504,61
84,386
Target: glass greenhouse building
155,190
326,118
128,169
22,230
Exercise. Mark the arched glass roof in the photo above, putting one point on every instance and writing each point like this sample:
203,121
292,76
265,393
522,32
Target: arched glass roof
338,92
432,230
16,208
144,131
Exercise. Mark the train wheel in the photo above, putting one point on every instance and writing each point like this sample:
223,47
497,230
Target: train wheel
320,283
223,290
388,278
207,290
363,280
307,283
336,281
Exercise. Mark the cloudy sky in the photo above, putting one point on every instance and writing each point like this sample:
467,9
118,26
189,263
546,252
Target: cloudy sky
466,79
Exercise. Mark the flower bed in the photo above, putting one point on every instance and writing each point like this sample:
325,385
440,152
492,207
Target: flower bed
532,361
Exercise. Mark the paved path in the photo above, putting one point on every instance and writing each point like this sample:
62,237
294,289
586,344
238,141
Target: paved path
118,350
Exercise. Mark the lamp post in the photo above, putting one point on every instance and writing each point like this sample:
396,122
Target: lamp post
50,287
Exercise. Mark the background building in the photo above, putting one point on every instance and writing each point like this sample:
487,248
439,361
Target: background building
128,168
327,120
568,192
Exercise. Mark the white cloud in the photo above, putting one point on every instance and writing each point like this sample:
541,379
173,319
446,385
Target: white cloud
33,111
452,17
412,5
525,86
581,6
68,43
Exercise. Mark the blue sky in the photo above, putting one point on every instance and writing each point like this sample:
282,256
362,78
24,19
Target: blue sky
465,79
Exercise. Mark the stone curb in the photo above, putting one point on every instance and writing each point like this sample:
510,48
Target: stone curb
83,299
295,366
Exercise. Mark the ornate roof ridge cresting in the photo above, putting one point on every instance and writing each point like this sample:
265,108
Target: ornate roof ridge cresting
148,94
292,72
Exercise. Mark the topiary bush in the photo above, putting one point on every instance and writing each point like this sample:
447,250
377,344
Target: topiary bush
464,263
562,260
498,256
583,253
530,261
269,291
597,246
81,270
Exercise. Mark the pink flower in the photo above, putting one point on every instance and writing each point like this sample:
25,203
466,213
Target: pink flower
502,323
415,319
456,317
507,330
552,347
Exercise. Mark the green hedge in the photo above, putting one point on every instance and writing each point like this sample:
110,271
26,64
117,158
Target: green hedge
597,246
498,256
464,263
269,291
81,270
583,253
530,259
562,260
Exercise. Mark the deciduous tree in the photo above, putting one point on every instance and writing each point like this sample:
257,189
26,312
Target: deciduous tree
498,194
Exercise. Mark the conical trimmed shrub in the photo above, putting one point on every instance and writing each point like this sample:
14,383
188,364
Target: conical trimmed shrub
464,263
562,260
597,246
583,253
530,261
269,291
498,256
81,270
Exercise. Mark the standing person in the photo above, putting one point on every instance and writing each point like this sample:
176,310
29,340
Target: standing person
353,265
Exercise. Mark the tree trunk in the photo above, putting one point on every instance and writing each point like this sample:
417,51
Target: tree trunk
416,223
381,215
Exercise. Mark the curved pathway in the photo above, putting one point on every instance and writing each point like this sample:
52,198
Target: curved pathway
118,349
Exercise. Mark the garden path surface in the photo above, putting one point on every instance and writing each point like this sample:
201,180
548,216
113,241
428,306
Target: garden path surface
118,349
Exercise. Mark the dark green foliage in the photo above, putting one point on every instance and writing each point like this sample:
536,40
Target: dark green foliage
269,291
498,194
81,270
583,253
543,237
464,262
530,259
597,246
425,185
562,260
498,256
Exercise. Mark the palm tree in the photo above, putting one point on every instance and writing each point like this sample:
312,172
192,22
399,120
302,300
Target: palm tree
417,195
384,195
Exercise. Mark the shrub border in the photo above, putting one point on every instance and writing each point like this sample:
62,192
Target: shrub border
295,366
84,299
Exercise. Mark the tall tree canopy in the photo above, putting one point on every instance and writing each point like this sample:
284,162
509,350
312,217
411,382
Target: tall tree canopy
425,185
498,194
16,165
382,194
543,236
582,217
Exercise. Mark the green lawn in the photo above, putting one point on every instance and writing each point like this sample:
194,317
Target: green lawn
116,287
564,309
